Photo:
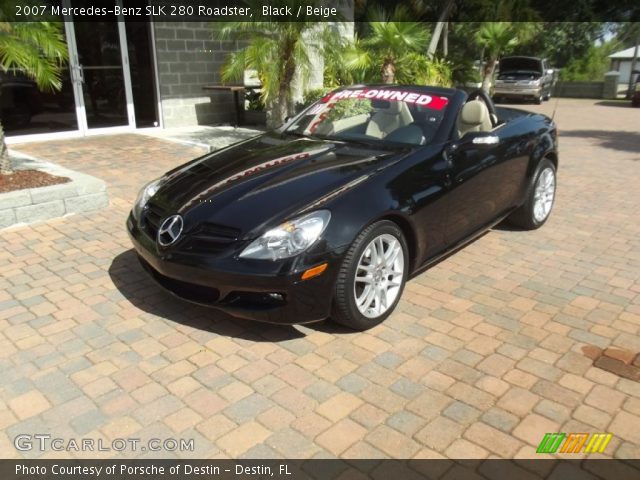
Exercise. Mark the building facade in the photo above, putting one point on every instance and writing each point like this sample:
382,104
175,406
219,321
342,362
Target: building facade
123,75
622,61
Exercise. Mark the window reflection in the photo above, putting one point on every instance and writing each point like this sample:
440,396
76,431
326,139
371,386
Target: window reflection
24,109
101,63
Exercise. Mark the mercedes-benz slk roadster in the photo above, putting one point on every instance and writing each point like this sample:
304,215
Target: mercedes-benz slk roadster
329,215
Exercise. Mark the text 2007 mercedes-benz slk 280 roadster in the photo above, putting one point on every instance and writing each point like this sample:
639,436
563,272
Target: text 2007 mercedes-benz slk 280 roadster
329,215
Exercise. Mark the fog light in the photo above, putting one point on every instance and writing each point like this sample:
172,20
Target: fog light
314,272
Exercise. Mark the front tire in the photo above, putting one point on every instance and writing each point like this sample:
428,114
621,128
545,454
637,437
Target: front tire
540,198
372,277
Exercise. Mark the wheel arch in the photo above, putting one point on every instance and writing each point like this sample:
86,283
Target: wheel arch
552,157
408,230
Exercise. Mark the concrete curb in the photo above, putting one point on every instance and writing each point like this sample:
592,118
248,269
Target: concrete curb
83,194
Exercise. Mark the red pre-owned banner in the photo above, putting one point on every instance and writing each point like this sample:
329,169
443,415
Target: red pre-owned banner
422,99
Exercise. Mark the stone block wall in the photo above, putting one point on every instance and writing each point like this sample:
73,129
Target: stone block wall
579,89
188,58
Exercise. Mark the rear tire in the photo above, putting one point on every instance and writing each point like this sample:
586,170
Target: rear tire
540,198
372,277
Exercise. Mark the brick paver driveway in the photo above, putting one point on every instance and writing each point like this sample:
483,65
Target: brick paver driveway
485,354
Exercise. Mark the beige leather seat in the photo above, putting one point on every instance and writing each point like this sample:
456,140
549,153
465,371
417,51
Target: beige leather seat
474,117
386,120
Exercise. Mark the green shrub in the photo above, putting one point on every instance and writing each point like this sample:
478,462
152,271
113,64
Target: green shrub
349,108
591,67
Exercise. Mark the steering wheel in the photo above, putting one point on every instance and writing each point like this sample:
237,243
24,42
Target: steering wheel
480,94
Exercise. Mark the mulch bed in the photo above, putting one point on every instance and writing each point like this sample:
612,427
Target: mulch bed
28,179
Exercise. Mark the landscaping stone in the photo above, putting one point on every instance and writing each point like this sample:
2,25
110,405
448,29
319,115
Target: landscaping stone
14,199
83,194
7,217
40,211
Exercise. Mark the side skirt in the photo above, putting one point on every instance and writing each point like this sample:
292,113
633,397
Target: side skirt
432,261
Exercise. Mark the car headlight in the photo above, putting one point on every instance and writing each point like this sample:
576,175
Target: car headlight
290,238
534,82
145,194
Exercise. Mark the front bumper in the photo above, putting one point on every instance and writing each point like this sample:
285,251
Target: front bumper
247,291
517,92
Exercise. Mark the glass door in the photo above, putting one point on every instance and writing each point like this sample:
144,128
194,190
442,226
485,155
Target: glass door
27,110
101,74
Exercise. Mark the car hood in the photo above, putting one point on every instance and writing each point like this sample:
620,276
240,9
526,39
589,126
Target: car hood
520,64
267,179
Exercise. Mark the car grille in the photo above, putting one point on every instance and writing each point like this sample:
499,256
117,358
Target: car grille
205,238
153,217
210,238
189,291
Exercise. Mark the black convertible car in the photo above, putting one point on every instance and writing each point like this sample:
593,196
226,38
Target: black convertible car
330,214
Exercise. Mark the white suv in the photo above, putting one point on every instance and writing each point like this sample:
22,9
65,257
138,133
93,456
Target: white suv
523,78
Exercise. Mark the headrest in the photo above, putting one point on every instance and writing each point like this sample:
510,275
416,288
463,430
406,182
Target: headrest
395,107
474,112
387,106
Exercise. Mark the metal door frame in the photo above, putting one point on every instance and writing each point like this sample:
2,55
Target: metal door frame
77,77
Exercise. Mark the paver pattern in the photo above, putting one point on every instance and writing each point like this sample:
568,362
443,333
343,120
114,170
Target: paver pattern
484,355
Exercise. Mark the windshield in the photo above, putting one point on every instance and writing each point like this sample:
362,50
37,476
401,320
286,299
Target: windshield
408,116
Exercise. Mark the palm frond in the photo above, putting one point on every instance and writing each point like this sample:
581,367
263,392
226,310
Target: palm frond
37,49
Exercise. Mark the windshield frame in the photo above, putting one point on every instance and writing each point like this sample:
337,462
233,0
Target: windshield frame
447,93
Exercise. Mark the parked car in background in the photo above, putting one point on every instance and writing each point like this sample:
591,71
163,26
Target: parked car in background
523,78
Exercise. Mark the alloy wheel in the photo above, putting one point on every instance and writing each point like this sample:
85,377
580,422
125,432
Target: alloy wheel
544,194
379,275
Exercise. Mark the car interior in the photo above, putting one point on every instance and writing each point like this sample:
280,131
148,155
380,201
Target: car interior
479,114
385,120
400,122
389,120
474,117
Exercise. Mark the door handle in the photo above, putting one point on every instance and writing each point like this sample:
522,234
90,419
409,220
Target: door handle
486,140
79,73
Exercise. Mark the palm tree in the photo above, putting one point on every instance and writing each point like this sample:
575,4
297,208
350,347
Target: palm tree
278,51
441,25
36,49
495,38
388,44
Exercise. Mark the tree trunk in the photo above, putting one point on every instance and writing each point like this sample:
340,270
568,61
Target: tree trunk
282,106
634,62
274,115
5,162
435,38
388,72
488,74
445,40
